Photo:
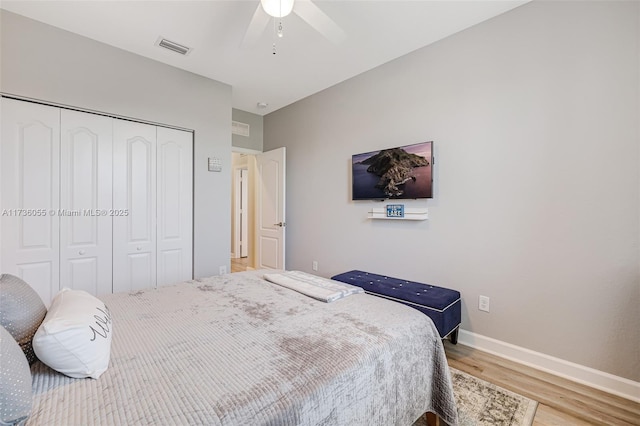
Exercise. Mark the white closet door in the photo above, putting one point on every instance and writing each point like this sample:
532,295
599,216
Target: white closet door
175,187
134,192
85,200
29,194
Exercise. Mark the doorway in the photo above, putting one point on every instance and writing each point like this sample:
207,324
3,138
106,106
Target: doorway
258,210
241,212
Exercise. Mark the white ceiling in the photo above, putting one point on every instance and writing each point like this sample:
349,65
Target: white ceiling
305,63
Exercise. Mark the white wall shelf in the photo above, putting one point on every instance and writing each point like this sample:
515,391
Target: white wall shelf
409,214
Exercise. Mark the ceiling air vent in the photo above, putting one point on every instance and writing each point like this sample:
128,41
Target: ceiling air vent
173,46
238,128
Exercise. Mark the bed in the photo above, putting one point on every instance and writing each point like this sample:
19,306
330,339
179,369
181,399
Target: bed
238,350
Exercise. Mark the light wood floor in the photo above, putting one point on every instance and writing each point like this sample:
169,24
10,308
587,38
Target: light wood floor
561,401
239,264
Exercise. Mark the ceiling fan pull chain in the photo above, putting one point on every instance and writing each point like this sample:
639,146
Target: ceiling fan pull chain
274,37
279,31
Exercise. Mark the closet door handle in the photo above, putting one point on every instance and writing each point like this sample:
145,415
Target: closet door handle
81,252
138,248
280,224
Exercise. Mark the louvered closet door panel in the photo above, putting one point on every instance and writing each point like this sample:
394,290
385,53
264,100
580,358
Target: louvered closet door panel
85,200
30,172
134,192
174,181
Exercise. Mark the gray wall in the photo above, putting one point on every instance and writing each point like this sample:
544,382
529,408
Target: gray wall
534,115
255,121
46,63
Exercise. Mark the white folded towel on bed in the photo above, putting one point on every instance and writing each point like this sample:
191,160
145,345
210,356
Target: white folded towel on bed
319,288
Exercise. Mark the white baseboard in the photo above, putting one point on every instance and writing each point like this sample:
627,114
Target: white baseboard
609,383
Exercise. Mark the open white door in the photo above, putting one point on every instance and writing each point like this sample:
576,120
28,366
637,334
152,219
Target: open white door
270,211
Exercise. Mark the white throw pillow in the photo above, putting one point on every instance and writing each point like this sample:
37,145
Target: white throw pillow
75,336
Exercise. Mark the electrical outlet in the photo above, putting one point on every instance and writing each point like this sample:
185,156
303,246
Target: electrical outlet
223,270
483,303
314,265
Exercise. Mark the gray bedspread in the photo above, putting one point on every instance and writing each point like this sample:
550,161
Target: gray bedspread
238,350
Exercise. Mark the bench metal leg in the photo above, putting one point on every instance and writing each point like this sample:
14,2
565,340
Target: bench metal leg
454,336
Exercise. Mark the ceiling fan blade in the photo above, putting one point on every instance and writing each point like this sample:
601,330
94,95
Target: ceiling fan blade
256,27
319,20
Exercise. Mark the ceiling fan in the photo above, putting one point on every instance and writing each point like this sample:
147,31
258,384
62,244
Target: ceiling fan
278,9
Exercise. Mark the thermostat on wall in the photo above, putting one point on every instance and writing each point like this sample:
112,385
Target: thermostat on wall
215,164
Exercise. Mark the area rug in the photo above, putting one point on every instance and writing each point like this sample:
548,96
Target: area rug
481,403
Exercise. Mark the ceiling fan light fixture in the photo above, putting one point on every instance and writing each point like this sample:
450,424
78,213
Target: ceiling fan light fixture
277,8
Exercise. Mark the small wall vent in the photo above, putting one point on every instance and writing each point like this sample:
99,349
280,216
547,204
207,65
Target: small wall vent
238,128
173,46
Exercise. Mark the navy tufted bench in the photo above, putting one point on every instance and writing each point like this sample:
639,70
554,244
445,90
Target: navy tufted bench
442,305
